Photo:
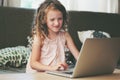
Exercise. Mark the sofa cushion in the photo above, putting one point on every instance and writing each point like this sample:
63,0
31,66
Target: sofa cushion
83,35
14,56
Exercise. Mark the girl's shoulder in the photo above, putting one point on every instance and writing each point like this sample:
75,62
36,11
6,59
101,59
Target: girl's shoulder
36,39
65,34
62,33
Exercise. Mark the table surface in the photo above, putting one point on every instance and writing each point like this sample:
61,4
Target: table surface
45,76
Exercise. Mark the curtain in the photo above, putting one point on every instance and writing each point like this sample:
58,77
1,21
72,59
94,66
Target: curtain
108,6
36,3
11,3
1,2
119,7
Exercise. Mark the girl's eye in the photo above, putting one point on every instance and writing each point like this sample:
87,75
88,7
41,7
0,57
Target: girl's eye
57,19
51,19
60,19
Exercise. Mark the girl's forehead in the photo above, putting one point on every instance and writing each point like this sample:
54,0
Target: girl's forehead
54,12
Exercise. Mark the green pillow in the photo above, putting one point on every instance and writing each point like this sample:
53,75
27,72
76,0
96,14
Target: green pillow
14,56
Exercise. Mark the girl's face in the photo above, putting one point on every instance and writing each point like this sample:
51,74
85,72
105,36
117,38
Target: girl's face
54,20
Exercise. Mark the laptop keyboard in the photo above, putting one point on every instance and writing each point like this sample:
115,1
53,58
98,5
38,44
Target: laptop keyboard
68,72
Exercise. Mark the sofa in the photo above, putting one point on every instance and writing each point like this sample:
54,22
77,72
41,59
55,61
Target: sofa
16,23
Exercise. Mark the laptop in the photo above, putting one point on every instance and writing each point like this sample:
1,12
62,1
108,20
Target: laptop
97,56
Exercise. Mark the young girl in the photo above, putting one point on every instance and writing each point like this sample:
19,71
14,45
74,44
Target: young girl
50,38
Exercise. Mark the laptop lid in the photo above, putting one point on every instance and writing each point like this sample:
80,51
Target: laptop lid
97,56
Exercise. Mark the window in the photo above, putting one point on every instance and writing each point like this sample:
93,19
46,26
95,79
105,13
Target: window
109,6
35,3
30,3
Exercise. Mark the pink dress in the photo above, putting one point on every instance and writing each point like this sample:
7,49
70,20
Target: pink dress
52,52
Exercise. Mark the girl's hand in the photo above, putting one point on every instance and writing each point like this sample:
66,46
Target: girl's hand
56,67
60,67
64,66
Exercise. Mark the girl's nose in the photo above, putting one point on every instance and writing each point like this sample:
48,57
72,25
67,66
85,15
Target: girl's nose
56,22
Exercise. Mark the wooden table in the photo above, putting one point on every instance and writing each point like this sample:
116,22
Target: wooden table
44,76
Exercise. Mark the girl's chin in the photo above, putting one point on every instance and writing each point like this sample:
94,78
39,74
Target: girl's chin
56,31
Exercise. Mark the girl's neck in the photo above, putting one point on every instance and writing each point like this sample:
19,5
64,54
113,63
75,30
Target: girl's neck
53,35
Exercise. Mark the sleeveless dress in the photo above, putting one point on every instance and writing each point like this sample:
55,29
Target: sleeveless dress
52,52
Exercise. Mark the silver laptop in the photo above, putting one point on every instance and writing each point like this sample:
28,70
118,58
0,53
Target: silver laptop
96,57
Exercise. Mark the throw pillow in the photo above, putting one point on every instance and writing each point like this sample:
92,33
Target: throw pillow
83,35
14,56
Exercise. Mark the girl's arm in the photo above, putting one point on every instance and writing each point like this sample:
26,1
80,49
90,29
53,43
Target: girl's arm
71,45
35,58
